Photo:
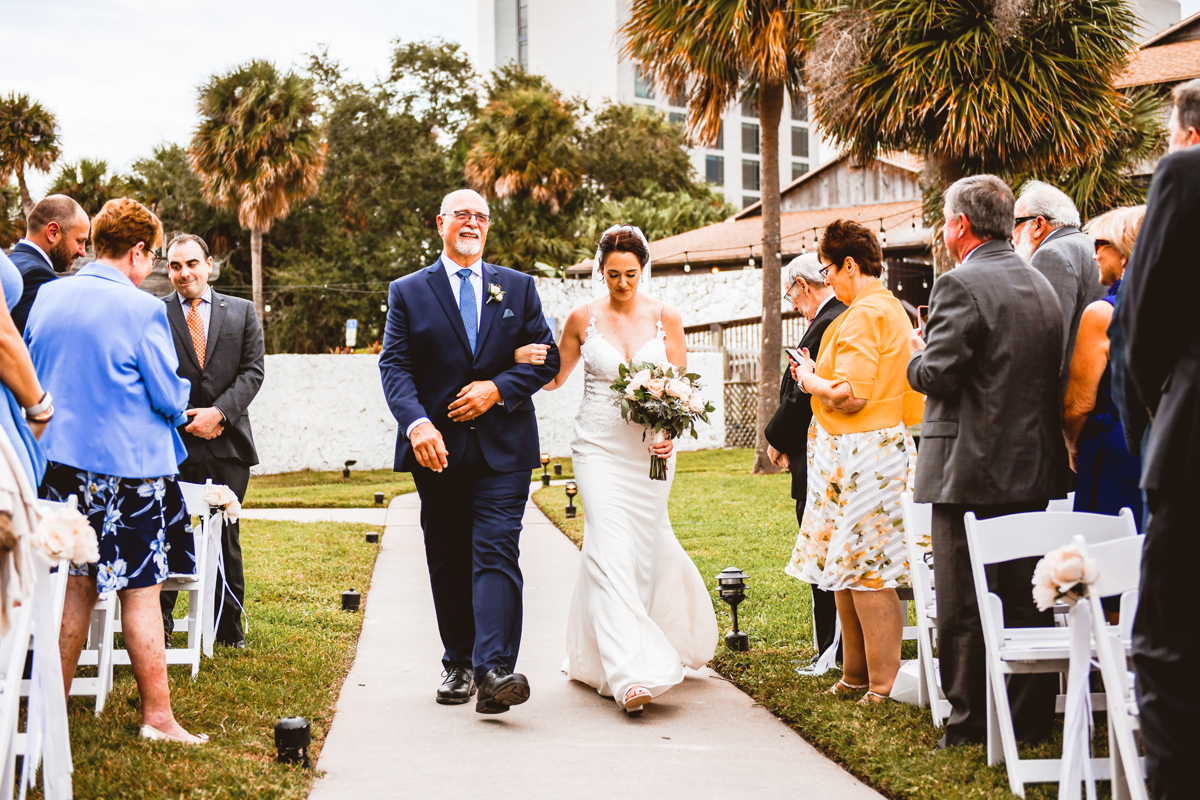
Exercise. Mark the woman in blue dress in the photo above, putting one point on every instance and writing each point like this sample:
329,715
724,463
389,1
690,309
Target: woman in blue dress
19,385
1108,473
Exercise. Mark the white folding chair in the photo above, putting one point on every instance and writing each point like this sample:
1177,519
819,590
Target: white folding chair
1013,651
1119,565
98,653
14,648
918,524
1063,503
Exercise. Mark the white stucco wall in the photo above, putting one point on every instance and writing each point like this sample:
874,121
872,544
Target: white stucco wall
317,411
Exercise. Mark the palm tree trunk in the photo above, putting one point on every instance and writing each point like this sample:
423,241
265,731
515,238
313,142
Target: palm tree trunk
26,200
770,109
947,170
256,275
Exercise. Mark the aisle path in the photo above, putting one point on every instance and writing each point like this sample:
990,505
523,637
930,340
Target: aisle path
389,739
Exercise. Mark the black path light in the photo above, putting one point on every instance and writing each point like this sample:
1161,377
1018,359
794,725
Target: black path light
572,490
379,498
373,537
292,738
545,474
346,468
731,585
558,468
351,600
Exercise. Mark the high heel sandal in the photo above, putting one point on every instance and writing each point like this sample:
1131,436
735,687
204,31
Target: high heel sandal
848,687
636,700
873,698
155,735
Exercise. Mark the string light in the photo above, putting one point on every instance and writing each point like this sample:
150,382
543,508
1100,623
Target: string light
383,307
882,234
924,283
815,243
803,245
267,308
715,270
914,222
686,266
750,265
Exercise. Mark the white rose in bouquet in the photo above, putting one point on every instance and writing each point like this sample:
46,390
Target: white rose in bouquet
695,403
679,388
1062,573
66,533
223,497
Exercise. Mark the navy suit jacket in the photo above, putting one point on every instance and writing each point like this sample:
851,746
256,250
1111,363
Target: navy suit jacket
35,272
426,360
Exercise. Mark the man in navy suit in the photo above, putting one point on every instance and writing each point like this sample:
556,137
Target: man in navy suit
469,437
55,235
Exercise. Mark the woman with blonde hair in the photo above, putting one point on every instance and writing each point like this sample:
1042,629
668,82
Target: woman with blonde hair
1108,473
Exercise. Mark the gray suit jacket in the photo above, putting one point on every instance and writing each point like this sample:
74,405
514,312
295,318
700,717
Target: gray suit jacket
231,377
991,432
1066,259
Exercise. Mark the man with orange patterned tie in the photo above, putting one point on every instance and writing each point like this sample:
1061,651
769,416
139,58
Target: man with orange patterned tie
220,346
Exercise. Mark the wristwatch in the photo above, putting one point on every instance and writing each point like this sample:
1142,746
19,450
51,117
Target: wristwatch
38,411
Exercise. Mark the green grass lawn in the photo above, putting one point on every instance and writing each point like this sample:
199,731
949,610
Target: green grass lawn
725,517
301,645
310,489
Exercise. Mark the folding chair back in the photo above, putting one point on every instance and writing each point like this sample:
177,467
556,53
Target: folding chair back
918,525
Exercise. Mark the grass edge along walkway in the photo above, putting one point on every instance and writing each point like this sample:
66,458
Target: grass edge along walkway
723,516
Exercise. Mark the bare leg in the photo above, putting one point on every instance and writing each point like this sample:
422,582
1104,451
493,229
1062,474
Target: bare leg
141,623
881,615
854,658
77,616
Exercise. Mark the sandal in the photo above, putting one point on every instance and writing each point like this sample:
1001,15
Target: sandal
873,698
636,699
848,687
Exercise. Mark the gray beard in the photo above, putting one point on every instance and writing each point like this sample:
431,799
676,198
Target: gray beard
1024,248
467,247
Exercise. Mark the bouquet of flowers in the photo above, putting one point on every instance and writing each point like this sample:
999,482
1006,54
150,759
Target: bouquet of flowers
1062,574
66,533
661,399
222,497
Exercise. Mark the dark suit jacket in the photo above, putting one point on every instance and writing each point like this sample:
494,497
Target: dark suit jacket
1162,351
35,272
787,431
426,360
991,433
1066,259
232,374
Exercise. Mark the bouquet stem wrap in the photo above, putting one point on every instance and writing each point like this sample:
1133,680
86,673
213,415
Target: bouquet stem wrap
658,464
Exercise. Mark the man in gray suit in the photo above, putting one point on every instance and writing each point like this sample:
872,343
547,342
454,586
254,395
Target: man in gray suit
220,347
989,371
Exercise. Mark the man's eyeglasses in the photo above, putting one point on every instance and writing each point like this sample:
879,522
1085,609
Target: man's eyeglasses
1102,243
1022,220
463,216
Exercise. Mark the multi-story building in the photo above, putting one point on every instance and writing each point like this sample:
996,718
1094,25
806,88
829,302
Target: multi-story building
574,44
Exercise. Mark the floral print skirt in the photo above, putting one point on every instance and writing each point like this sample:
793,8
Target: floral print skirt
143,530
852,535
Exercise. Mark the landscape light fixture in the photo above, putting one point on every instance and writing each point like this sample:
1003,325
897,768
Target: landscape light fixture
293,735
346,469
731,585
558,469
373,537
351,600
379,498
545,474
572,489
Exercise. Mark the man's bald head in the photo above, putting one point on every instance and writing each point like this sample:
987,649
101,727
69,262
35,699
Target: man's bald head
452,201
59,226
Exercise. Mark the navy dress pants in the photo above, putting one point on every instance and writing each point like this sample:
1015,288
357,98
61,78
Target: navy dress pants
471,518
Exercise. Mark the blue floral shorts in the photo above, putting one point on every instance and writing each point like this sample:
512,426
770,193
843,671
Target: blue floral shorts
143,530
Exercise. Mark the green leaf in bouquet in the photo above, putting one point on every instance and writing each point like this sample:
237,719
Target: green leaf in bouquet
694,434
692,376
622,370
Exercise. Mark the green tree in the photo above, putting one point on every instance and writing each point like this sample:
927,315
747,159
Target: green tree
658,213
257,150
28,140
715,51
12,220
88,183
626,145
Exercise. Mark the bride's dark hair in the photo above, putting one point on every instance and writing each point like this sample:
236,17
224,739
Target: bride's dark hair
623,240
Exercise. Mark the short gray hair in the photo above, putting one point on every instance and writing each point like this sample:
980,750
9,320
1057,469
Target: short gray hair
446,203
806,267
986,201
1040,199
1187,104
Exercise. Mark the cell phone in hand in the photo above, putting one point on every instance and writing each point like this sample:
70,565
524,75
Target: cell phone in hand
795,355
922,319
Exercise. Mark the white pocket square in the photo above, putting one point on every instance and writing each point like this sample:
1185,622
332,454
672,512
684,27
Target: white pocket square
508,313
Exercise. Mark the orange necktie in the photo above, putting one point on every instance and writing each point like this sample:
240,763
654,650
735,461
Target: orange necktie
196,326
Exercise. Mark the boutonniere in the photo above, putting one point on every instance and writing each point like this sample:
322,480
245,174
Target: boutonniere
495,293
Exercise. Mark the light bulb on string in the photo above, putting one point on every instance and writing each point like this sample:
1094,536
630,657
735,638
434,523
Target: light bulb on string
750,264
816,244
715,270
914,222
687,267
924,283
383,307
882,234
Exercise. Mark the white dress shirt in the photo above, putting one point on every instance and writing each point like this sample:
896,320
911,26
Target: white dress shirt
205,309
40,252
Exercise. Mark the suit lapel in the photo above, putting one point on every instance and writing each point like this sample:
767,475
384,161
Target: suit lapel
490,310
439,284
179,325
216,321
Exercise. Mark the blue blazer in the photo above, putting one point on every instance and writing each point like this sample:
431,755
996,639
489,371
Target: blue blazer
103,348
426,360
35,272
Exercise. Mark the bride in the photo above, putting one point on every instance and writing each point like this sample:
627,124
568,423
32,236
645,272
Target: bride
640,611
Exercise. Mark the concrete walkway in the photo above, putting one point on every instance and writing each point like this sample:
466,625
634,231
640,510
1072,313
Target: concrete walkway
389,738
368,516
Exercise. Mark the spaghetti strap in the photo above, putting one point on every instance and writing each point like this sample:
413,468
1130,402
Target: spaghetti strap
660,308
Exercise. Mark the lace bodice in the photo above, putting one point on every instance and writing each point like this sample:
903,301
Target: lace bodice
599,411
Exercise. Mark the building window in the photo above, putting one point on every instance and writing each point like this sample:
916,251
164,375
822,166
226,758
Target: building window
751,176
749,200
750,138
750,107
800,108
798,169
523,33
720,143
675,118
714,170
642,86
800,142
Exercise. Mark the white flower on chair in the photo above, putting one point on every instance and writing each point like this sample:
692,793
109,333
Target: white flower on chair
66,533
222,497
1062,574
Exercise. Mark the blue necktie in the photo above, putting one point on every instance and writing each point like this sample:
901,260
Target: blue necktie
466,306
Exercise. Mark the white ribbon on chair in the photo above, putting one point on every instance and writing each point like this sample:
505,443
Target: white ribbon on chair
48,738
1076,765
827,659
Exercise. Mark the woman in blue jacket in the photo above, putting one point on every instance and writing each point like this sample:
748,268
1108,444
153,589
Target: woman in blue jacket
104,351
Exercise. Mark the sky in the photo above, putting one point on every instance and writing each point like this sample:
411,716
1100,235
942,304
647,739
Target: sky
121,75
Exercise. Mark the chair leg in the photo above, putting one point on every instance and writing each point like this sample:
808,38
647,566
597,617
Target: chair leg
195,632
1001,731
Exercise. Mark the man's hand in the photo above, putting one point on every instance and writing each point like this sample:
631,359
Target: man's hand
428,447
206,422
778,459
474,400
915,342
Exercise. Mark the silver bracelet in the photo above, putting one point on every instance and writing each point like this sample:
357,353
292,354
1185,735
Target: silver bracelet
40,406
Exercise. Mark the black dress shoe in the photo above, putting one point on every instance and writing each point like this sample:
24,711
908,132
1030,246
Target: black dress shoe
499,689
946,741
457,688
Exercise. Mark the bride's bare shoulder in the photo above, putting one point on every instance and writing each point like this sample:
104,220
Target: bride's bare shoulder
578,318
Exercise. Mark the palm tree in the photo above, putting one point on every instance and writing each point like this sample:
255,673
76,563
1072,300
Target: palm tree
28,139
257,150
12,226
89,184
715,51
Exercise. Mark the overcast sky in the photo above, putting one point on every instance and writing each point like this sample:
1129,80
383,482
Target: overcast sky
121,75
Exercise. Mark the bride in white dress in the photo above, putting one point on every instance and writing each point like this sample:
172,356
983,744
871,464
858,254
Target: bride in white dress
640,612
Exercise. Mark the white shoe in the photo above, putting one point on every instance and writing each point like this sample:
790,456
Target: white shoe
155,735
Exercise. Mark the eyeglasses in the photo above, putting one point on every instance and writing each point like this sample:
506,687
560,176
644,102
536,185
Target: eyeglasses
825,271
1022,220
464,216
1102,243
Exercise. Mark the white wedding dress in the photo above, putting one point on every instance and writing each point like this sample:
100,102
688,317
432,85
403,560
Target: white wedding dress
640,612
